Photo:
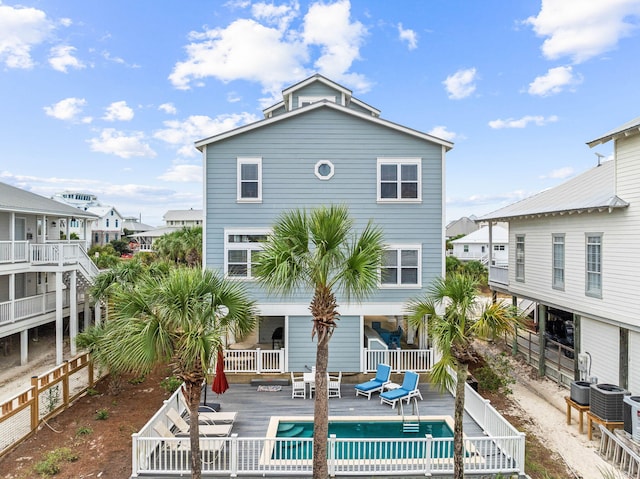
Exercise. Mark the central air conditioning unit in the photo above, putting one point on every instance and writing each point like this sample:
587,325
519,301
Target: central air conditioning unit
605,401
580,392
631,405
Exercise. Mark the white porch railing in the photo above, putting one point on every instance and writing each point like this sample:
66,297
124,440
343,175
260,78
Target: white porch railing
400,360
499,274
23,308
235,456
13,251
253,361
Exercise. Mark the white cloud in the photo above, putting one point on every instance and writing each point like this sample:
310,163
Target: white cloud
554,81
118,111
442,132
461,83
583,29
184,133
183,174
168,108
279,15
118,143
559,174
272,56
61,57
522,122
409,36
21,29
68,109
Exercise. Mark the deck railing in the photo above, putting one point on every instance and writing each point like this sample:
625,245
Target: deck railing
23,308
256,361
400,360
13,251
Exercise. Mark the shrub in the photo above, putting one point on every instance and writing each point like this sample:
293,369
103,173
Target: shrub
170,384
102,414
50,465
83,431
495,376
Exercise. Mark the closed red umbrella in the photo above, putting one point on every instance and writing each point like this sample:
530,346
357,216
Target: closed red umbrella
220,384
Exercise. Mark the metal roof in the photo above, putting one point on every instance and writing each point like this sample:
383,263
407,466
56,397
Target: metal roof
499,235
22,201
593,190
183,215
629,128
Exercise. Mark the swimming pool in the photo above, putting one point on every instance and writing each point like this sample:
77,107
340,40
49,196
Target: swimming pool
373,438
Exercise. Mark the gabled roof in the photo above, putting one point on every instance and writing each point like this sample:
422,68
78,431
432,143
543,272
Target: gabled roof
102,210
593,190
629,128
499,235
18,200
200,144
184,215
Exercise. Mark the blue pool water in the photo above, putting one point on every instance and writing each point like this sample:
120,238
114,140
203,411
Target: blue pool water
366,444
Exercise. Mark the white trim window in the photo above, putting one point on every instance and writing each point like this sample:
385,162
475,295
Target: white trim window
400,180
250,180
593,265
401,266
240,247
308,100
520,258
558,262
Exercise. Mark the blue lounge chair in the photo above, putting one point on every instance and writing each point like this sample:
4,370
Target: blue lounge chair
383,372
408,390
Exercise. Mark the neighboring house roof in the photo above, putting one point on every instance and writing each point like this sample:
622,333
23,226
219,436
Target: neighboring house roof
630,127
183,215
499,235
200,144
593,190
101,211
461,226
132,224
155,233
18,200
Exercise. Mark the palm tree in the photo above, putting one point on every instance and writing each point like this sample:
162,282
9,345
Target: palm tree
320,250
174,317
454,318
183,246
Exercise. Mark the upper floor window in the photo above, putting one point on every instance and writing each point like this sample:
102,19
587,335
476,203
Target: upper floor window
558,261
593,267
116,223
240,248
106,222
520,258
498,247
401,266
250,179
399,180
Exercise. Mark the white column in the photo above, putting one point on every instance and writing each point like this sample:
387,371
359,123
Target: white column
87,311
24,347
98,309
73,311
59,319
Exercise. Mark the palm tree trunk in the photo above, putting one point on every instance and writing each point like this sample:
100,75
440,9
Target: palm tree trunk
458,439
321,408
193,391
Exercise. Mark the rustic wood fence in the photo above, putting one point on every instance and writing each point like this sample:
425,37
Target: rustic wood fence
49,394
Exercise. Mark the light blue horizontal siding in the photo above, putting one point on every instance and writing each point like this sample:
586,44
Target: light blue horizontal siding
290,149
344,354
316,89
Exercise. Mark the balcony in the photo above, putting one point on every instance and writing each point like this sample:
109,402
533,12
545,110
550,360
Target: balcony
499,275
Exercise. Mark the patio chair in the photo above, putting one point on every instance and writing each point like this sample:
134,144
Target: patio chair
407,390
205,430
208,415
298,387
209,445
334,385
383,373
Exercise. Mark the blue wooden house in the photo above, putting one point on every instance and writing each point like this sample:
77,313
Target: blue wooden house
317,146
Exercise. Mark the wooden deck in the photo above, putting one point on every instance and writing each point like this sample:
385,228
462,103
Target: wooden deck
255,408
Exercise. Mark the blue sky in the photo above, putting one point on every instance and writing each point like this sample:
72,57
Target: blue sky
108,97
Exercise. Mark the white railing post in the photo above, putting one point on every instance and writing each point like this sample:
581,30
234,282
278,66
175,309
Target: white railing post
332,455
233,457
521,455
134,454
258,361
427,454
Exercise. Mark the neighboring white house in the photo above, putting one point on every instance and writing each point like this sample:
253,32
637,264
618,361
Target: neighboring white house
106,228
475,246
44,275
573,249
183,218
